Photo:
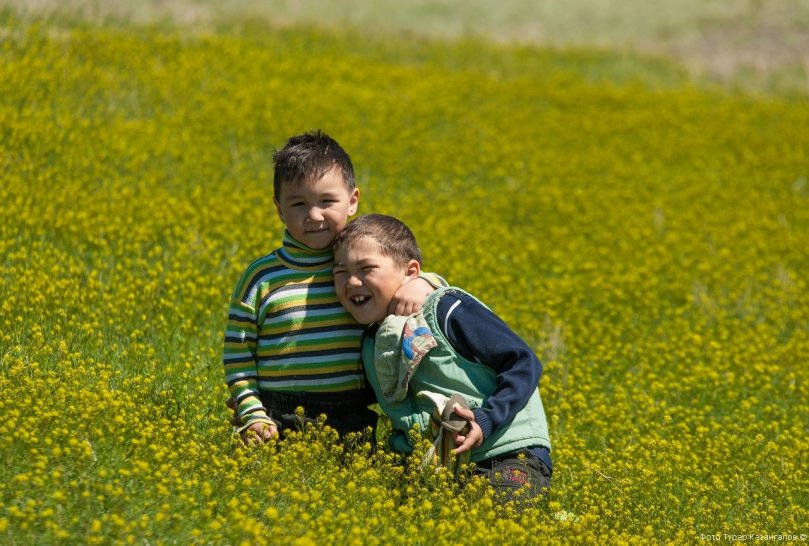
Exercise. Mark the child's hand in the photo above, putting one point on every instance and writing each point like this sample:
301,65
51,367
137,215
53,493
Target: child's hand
259,433
475,435
410,297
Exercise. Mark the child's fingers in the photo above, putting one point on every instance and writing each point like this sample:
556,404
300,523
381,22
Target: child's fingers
465,444
259,433
397,307
464,413
270,431
403,308
473,438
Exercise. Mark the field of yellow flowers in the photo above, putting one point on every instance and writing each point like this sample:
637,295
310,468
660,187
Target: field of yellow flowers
648,237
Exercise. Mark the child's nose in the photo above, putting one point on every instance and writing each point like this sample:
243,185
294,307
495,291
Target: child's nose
315,214
354,280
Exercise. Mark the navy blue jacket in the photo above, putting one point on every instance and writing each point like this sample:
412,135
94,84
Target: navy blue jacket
479,335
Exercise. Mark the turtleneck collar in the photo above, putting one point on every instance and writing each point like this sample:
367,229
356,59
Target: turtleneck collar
297,254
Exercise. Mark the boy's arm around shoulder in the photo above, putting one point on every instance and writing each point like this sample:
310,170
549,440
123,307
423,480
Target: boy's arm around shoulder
480,335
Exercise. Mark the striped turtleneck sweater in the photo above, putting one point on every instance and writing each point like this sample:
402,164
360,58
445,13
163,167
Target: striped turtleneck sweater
286,331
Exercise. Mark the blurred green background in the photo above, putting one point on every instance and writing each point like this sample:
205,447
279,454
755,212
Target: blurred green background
754,45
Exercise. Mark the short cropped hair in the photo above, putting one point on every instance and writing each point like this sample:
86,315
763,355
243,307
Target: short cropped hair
307,157
393,236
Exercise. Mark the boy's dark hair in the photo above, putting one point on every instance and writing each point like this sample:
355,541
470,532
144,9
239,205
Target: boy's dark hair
395,239
307,157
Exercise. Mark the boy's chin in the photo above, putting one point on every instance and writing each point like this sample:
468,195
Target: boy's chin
365,319
319,246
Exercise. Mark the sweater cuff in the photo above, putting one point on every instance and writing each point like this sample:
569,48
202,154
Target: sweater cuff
257,414
483,421
247,425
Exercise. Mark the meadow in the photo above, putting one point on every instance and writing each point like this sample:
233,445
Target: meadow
645,233
742,44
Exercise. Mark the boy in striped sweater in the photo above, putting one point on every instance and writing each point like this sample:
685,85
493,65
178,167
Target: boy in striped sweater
288,341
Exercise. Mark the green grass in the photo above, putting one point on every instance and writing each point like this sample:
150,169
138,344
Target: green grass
644,233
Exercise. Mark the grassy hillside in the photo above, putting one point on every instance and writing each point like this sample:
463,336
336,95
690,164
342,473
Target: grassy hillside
645,236
747,44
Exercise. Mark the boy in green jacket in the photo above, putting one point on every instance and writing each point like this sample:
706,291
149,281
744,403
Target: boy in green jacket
454,361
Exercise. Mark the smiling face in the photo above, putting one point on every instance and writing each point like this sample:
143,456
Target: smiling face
315,212
366,279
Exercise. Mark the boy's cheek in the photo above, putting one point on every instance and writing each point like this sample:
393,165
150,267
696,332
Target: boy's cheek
343,300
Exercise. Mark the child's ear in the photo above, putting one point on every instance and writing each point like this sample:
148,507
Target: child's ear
413,269
278,210
353,202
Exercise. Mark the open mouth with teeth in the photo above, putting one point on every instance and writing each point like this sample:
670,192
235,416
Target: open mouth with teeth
360,300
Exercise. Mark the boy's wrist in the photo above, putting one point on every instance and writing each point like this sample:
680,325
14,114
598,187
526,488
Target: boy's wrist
484,421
